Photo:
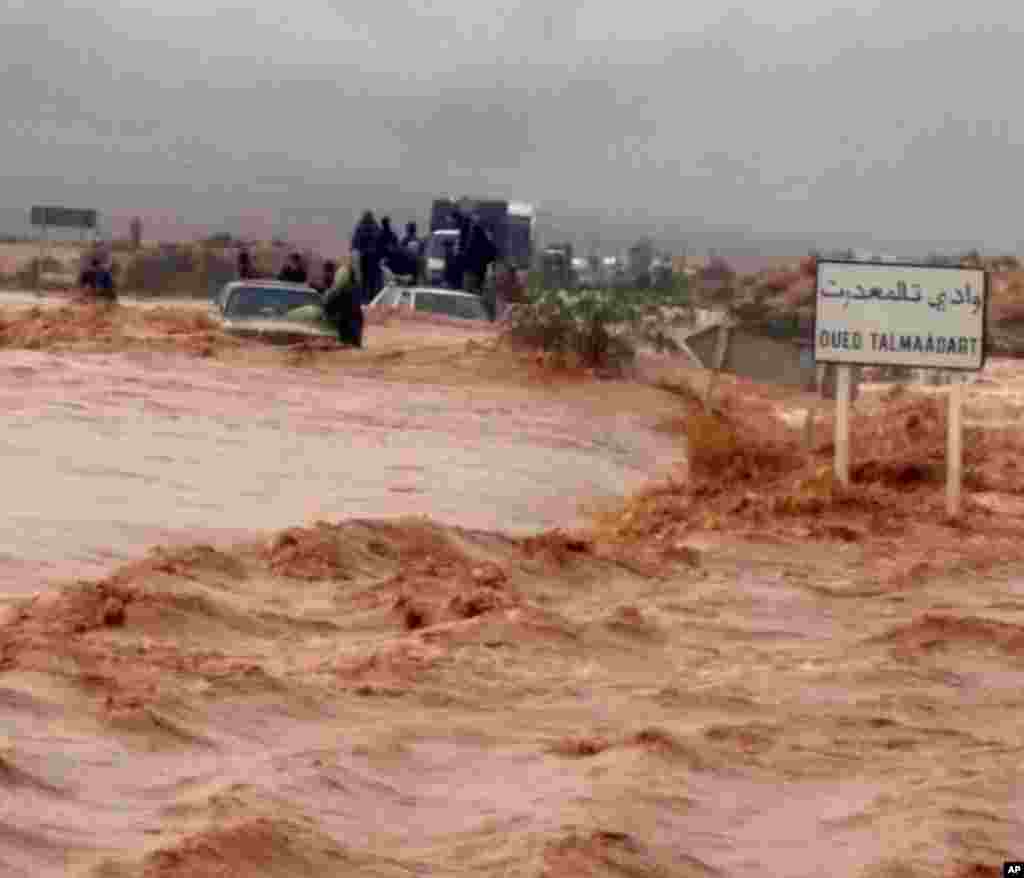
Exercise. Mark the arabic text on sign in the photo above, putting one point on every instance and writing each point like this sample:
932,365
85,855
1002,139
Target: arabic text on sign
902,293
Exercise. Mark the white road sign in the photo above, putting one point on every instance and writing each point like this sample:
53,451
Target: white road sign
900,315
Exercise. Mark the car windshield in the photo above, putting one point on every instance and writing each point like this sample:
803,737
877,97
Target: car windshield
268,301
466,307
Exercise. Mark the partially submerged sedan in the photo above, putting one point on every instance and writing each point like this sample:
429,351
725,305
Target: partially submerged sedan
273,311
432,300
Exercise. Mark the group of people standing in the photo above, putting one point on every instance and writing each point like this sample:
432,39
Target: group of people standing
467,255
376,246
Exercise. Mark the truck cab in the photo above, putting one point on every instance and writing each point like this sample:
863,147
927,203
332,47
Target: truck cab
510,225
436,248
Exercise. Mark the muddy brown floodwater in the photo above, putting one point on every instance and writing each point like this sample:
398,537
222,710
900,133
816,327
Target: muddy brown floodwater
105,455
305,614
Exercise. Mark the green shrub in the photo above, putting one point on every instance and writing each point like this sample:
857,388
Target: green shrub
600,328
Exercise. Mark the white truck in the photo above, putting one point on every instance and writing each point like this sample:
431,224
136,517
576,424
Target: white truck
509,223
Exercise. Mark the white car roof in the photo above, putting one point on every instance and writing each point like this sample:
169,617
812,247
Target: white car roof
279,284
444,291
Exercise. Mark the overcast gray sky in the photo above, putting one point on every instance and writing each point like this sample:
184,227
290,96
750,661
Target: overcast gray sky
879,122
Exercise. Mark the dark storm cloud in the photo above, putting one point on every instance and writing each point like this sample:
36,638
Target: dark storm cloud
785,119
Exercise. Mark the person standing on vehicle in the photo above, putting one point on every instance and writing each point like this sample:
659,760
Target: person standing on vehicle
463,224
387,242
480,253
365,254
413,249
410,239
452,265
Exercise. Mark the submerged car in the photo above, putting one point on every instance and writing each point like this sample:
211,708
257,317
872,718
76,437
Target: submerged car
283,313
432,300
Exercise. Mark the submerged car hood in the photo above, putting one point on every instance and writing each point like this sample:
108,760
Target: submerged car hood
276,327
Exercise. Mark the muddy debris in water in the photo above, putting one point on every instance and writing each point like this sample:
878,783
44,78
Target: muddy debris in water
659,741
262,847
178,321
74,609
933,632
748,474
189,562
427,594
578,747
609,854
400,664
630,620
557,547
41,329
976,870
312,553
747,739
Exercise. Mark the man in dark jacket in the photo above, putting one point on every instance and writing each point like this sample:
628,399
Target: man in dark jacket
412,247
294,271
452,265
480,253
463,224
365,240
387,247
388,239
411,240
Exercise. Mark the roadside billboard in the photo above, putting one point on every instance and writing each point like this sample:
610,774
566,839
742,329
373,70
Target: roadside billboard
63,218
894,314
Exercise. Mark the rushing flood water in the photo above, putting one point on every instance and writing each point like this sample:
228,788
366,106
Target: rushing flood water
144,449
405,699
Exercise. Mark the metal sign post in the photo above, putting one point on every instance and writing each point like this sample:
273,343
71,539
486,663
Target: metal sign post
37,275
812,411
954,448
842,438
721,348
901,314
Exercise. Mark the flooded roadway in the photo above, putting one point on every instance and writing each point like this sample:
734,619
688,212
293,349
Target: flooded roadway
107,454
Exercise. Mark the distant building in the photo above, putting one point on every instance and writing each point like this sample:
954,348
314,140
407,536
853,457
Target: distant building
641,255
